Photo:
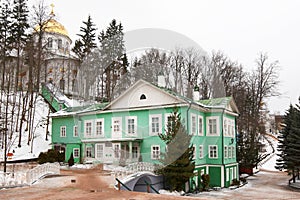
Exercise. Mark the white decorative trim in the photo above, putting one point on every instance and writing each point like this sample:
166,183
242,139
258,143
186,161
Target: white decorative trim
159,124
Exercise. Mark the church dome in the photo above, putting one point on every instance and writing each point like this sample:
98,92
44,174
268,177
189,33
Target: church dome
53,26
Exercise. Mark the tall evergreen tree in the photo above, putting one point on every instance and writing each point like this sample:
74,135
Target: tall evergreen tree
289,142
114,62
177,161
18,32
86,42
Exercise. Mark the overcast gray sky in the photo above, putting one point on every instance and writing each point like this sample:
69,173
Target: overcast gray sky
241,29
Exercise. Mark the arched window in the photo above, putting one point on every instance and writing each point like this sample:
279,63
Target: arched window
142,97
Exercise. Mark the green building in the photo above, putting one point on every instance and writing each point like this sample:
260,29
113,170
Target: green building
126,130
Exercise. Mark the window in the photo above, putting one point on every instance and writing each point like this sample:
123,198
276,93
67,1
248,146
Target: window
225,151
194,152
116,148
50,42
155,152
142,97
88,129
168,120
99,150
135,152
213,151
193,124
201,153
59,43
76,152
63,132
88,152
200,125
155,124
131,125
233,152
229,152
116,124
62,84
232,128
75,131
225,128
100,127
212,124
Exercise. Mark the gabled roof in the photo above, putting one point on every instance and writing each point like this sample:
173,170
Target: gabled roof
223,102
154,96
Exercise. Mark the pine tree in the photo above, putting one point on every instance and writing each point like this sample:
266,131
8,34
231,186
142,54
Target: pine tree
177,161
289,142
114,62
18,32
86,43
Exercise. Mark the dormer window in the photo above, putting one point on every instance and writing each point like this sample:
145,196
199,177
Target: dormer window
142,97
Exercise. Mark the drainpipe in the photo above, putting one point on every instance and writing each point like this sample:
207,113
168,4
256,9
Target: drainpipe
222,136
187,117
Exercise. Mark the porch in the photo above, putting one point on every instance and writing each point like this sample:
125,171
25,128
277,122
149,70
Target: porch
119,152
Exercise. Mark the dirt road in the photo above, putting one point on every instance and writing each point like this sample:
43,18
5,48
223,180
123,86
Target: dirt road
97,184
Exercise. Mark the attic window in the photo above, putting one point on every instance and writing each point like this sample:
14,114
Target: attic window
142,97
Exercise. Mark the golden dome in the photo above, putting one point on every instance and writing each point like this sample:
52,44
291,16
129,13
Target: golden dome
52,26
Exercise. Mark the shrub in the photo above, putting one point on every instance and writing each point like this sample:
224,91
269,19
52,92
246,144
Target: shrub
50,156
235,182
205,181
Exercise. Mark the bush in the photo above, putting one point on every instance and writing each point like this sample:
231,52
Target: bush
205,181
71,160
50,156
235,182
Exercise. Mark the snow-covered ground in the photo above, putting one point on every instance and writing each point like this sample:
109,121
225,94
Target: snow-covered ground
38,144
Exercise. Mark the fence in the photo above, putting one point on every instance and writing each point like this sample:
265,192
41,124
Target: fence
13,179
140,166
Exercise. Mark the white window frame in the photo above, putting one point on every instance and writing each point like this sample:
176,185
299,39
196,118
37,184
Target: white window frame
86,134
214,154
193,124
90,149
98,151
167,115
233,128
209,131
201,151
151,123
134,125
63,131
155,153
117,150
229,152
194,152
200,126
233,151
75,131
225,151
75,154
226,123
101,128
137,153
114,124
